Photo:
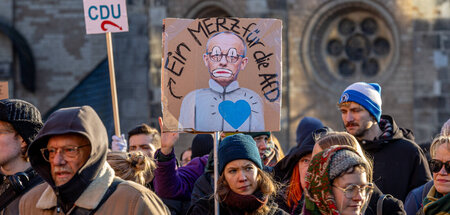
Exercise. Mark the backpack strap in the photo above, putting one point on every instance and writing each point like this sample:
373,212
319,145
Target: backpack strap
380,203
108,193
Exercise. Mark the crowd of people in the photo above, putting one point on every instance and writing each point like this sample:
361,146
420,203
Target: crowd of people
65,166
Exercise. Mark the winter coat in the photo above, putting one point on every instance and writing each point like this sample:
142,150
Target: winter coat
391,205
173,183
139,199
203,189
12,188
86,188
414,199
399,165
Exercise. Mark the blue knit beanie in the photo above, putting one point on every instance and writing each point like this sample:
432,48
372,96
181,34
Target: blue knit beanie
367,95
238,146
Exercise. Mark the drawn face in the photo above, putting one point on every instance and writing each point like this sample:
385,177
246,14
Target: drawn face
225,58
241,176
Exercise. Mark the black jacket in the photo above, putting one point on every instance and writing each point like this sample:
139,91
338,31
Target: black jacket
399,163
391,205
13,187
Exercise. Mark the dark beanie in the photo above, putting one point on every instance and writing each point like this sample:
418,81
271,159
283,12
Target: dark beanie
23,116
238,146
306,127
202,144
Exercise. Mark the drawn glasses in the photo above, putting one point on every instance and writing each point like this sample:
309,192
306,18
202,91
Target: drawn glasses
353,189
67,152
436,166
216,55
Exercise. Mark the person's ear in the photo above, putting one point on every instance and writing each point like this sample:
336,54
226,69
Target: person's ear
205,59
23,144
244,63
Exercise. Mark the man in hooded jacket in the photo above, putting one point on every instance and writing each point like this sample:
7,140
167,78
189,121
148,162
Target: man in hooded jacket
69,153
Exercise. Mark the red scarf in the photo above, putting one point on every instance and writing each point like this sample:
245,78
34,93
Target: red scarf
247,203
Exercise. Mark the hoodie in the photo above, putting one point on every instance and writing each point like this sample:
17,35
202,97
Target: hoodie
77,120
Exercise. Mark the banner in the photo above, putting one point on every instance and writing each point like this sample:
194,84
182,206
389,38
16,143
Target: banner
221,74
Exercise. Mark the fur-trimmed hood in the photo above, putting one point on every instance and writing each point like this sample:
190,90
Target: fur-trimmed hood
89,199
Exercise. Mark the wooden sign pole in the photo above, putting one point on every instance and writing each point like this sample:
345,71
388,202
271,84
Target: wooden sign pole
216,171
112,79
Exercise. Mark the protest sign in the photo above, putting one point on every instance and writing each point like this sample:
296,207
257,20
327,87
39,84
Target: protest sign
4,90
103,16
221,74
106,16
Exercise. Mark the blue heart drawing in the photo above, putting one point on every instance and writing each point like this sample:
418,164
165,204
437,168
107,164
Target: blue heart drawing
235,113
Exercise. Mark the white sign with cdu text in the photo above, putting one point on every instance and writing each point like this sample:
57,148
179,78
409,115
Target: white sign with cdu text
103,16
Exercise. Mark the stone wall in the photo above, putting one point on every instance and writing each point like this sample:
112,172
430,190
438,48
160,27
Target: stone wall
415,90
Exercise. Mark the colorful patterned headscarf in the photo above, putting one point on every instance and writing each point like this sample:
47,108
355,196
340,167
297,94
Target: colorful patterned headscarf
318,192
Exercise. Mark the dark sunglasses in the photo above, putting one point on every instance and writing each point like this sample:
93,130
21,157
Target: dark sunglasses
436,166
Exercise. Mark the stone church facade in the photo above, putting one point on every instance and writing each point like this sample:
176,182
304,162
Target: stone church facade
402,44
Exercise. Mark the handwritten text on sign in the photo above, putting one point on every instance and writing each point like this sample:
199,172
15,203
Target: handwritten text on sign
103,16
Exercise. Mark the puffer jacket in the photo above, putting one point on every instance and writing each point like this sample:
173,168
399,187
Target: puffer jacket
86,188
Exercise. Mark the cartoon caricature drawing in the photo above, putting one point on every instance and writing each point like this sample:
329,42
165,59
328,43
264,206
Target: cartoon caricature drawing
224,106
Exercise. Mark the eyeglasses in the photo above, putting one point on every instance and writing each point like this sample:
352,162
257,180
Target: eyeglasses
436,166
353,189
218,57
67,152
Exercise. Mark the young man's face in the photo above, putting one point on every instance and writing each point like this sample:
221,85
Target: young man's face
357,120
10,144
143,143
67,154
220,48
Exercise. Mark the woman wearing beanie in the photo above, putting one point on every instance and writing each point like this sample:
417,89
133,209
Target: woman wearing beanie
338,182
389,204
242,186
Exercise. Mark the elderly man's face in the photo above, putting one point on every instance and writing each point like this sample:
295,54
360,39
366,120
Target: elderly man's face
67,153
225,58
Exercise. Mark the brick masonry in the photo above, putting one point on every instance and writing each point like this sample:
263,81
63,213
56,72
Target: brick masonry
416,93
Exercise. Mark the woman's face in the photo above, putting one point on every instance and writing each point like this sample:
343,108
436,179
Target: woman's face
241,176
352,205
303,168
442,178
